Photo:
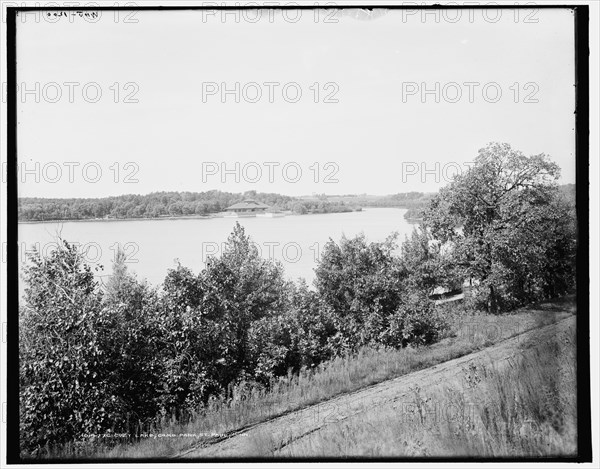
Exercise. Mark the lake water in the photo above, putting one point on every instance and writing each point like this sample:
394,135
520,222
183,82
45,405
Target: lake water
153,246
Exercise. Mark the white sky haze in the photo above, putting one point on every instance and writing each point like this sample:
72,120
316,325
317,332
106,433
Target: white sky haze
371,122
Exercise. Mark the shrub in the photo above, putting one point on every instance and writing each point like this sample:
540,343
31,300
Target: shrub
297,338
273,348
239,288
65,391
361,284
416,322
424,263
313,325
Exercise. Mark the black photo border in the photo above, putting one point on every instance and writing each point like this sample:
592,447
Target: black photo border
581,17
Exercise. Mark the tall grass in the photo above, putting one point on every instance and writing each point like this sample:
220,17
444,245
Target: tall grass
526,409
252,405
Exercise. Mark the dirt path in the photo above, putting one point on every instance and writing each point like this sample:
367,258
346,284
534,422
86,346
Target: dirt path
289,429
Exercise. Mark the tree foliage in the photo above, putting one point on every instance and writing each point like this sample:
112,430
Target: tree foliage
506,221
64,387
165,204
360,282
425,264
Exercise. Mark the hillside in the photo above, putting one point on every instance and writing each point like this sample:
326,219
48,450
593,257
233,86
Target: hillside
347,425
303,416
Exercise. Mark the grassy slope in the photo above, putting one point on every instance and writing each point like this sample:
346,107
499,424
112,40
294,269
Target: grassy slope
469,333
526,408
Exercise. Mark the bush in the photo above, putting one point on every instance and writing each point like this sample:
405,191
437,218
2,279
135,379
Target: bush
313,325
424,264
65,390
273,347
294,339
239,288
361,284
416,322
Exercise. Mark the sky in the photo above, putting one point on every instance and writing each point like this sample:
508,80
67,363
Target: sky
187,100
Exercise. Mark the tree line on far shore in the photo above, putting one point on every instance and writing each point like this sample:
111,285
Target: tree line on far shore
96,359
181,204
166,204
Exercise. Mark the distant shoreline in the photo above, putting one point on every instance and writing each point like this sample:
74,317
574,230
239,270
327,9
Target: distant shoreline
191,217
183,217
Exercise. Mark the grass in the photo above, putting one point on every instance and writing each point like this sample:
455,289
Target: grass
528,410
468,333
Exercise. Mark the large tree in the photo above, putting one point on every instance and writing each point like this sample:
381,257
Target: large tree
504,219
